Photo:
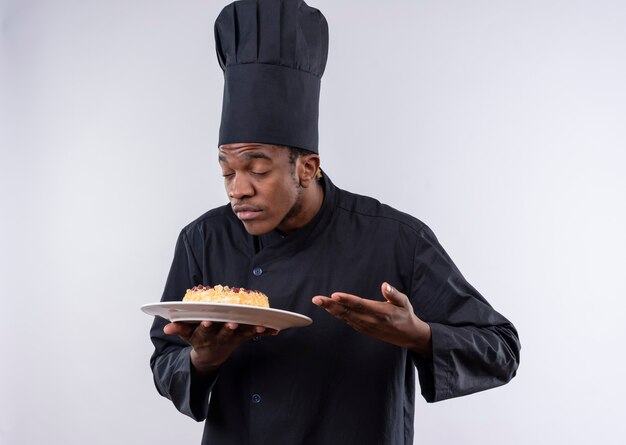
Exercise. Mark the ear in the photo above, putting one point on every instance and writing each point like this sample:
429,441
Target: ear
308,166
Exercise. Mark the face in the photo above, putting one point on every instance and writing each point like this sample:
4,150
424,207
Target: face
262,186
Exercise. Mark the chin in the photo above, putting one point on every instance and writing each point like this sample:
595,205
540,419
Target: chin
257,228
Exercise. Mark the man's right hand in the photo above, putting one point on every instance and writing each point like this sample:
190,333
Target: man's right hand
213,342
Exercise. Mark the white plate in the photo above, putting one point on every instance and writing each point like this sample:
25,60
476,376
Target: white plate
235,313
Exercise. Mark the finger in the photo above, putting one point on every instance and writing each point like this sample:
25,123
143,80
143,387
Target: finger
320,300
179,328
358,312
333,306
323,301
236,332
346,306
213,328
356,304
204,331
393,295
267,332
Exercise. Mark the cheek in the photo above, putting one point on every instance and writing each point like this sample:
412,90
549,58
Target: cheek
284,197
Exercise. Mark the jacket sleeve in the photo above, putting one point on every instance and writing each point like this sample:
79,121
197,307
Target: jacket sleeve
474,347
171,366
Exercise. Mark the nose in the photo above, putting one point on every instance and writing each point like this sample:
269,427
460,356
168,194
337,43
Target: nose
239,187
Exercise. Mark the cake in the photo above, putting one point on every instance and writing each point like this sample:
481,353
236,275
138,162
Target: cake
226,295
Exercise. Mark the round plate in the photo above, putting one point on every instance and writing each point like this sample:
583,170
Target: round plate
234,313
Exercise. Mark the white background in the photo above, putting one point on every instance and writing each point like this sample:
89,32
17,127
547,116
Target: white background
501,124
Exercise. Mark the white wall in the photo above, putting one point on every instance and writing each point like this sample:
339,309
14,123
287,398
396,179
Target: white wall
498,123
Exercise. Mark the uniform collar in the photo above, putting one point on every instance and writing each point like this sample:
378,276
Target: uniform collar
276,241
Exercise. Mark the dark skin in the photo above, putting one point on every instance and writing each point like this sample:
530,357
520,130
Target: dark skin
267,192
391,320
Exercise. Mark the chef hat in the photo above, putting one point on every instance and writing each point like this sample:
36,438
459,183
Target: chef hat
273,54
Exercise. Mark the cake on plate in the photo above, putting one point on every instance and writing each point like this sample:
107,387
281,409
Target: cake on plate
226,295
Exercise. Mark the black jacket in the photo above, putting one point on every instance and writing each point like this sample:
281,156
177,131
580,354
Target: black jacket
326,383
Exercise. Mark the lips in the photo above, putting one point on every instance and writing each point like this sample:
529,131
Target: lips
246,212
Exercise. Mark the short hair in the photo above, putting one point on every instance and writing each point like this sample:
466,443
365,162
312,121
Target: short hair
295,153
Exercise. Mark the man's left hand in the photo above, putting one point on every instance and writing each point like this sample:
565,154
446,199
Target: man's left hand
392,320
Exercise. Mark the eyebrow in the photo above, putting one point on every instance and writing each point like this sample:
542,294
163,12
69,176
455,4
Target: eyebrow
248,157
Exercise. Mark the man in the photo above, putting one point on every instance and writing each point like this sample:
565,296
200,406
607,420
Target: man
383,295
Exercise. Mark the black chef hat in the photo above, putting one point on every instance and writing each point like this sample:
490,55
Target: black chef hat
273,54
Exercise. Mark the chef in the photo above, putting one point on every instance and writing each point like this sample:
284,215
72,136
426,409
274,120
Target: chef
387,302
